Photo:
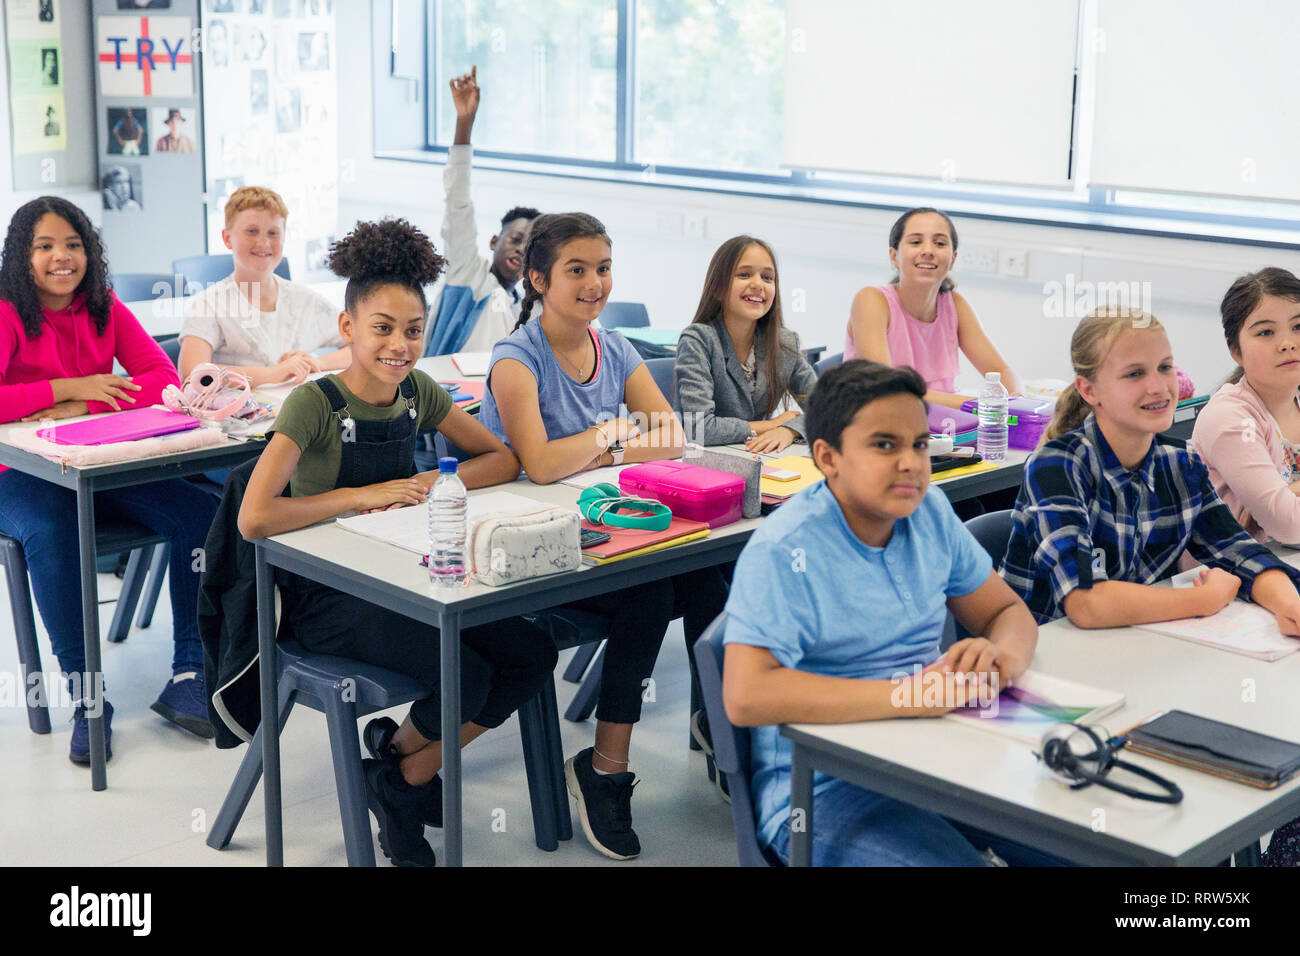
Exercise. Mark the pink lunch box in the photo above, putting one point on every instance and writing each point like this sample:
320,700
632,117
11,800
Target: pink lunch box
691,491
1027,419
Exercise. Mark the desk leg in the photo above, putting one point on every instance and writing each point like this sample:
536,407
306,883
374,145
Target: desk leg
270,726
451,788
801,808
92,690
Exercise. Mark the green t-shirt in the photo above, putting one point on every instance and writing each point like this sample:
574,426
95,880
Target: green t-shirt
306,419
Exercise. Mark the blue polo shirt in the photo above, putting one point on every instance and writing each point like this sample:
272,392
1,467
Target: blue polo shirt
811,592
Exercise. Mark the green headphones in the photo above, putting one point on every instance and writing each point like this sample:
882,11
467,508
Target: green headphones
605,504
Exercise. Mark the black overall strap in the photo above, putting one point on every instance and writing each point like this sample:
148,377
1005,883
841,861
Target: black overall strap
332,394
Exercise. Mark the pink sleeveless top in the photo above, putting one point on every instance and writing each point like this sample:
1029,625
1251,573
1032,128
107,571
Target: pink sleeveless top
929,347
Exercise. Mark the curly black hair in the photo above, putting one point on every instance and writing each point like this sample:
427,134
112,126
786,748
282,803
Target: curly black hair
16,283
550,233
519,212
390,251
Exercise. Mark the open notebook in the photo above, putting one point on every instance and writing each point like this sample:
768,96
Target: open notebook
1037,702
409,527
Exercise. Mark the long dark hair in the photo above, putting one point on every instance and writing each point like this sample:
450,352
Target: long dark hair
896,237
717,283
19,287
387,252
550,232
1243,298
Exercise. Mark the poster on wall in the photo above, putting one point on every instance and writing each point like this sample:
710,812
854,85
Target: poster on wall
145,56
36,70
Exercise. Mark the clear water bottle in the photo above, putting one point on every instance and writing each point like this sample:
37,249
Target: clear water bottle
992,441
448,507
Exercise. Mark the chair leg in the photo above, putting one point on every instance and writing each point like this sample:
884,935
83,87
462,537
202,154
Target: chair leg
132,585
153,586
245,782
581,658
345,748
1249,855
697,699
538,770
29,652
584,702
550,712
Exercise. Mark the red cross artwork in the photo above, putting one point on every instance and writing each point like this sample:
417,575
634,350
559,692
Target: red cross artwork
156,57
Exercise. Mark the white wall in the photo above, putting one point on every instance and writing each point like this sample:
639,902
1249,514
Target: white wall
825,252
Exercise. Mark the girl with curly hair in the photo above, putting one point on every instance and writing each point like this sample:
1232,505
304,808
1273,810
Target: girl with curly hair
346,442
61,328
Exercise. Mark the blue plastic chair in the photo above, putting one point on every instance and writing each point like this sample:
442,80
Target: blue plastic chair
730,747
346,690
199,272
992,530
624,315
138,286
661,370
828,363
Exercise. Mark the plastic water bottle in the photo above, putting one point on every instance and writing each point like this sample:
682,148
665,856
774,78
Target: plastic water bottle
992,441
448,507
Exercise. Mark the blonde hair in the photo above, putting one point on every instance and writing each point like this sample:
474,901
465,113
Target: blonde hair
254,197
1089,346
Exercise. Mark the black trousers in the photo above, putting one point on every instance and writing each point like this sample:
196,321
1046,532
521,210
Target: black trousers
502,664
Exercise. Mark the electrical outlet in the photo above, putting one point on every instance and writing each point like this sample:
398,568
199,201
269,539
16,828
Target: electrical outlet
1013,262
981,259
696,226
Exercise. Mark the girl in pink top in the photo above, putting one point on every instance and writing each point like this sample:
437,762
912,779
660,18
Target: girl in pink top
61,327
917,319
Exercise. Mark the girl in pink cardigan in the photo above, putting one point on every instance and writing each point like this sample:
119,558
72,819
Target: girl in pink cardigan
61,327
1249,433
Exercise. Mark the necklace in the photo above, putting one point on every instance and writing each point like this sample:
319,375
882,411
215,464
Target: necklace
582,369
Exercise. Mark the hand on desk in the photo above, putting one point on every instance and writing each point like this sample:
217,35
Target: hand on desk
61,410
1220,588
294,367
388,495
971,673
772,440
109,389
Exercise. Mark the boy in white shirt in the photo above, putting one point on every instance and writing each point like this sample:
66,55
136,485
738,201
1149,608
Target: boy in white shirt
254,321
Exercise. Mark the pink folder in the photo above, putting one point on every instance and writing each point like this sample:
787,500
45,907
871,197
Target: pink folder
119,426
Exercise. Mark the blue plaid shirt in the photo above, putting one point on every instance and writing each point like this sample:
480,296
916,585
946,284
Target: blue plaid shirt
1082,517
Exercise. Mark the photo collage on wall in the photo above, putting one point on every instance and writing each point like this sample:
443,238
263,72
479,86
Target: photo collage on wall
36,76
270,97
146,62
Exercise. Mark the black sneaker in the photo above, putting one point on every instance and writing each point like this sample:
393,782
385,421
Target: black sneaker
700,731
378,737
604,806
394,803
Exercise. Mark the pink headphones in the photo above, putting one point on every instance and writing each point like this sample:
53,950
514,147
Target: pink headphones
210,393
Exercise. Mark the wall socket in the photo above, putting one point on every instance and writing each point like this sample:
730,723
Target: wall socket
696,226
1013,262
981,259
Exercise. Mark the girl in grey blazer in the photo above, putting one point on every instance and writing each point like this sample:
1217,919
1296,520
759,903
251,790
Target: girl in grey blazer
736,362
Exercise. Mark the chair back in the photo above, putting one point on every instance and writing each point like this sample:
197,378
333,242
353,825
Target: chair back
992,530
730,746
139,286
828,363
624,315
171,344
661,370
199,272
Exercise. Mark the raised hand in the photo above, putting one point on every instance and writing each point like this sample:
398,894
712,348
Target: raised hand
465,93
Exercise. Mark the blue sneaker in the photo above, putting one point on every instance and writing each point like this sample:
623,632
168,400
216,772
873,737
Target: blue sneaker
184,702
79,753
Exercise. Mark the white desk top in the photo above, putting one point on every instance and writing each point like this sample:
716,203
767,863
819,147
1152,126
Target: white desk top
1155,673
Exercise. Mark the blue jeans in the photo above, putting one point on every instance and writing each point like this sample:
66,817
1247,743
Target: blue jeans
855,827
43,517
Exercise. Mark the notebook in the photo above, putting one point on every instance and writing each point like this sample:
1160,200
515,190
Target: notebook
625,540
1217,748
130,425
465,394
409,527
1035,703
1240,628
472,363
809,474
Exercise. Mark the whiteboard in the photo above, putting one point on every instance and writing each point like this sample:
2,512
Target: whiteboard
950,89
1198,96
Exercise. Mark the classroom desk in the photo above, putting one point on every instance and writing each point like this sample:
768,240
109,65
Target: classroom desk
85,482
394,578
994,783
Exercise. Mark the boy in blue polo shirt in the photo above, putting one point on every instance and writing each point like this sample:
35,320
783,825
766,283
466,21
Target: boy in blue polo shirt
848,585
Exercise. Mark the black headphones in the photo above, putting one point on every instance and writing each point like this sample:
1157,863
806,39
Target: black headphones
1064,751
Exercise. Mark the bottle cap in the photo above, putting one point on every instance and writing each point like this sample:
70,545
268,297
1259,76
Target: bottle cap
448,465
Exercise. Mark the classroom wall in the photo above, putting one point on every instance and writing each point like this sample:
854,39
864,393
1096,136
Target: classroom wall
825,253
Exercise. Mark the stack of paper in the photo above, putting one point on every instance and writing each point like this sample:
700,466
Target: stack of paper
809,474
1240,628
630,542
409,527
472,363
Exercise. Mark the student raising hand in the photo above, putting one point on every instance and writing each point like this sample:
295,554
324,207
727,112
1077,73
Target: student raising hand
464,95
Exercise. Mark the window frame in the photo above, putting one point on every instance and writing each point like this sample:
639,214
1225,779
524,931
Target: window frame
1074,208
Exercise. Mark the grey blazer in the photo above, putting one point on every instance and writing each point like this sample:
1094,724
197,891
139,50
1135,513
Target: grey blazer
712,395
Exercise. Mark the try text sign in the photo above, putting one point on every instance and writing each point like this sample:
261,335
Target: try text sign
145,56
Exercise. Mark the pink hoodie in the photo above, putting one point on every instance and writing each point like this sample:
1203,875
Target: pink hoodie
68,347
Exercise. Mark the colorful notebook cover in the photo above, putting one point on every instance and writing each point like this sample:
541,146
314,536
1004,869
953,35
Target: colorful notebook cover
464,393
809,474
1037,702
114,427
672,543
624,540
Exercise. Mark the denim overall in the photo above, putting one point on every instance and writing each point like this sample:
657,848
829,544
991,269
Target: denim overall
374,451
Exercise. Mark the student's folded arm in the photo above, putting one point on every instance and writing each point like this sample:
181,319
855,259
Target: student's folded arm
19,399
696,390
334,361
996,612
146,364
758,691
979,348
492,463
1219,541
514,388
869,324
802,381
664,437
1232,443
264,513
195,350
1124,604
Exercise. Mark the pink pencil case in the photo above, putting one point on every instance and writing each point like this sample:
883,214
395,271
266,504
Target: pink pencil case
119,426
691,491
